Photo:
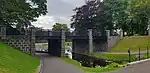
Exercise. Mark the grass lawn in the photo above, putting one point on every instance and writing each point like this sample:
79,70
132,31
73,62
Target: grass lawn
46,44
92,70
42,44
14,61
133,42
68,44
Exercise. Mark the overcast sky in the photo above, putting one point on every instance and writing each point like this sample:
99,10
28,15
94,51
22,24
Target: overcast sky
58,11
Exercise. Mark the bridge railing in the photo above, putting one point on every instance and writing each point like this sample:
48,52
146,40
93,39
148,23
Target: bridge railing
58,33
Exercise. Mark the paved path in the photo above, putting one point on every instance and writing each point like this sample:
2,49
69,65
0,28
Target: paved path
57,65
142,52
143,67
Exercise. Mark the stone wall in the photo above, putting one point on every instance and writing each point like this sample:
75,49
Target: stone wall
113,40
24,43
20,42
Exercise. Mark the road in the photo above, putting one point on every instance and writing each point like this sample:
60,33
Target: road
57,65
143,67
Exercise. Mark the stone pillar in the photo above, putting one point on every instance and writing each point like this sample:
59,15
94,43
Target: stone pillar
90,42
121,33
108,34
3,32
108,39
32,41
26,31
148,30
63,44
33,33
49,33
74,33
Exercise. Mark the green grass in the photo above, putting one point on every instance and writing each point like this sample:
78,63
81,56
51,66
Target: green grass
117,57
68,44
46,44
42,44
91,70
133,42
14,61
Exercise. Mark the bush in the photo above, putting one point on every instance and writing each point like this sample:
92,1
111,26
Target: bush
88,69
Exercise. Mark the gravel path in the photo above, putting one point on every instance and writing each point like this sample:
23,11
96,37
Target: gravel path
57,65
143,67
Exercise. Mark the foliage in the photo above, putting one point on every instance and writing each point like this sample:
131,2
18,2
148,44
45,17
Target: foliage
133,16
90,70
19,13
138,11
86,17
68,44
116,9
59,27
14,61
134,43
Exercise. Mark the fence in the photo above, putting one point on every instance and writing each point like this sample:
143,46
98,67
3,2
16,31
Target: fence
140,55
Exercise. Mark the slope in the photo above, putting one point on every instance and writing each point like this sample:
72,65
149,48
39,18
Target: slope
14,61
133,42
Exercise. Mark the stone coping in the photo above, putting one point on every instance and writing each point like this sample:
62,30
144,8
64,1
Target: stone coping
137,62
41,67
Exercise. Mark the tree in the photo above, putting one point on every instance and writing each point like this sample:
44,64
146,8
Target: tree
139,14
20,13
59,27
133,16
130,15
116,12
86,17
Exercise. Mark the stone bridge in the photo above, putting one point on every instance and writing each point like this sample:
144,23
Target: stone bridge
56,47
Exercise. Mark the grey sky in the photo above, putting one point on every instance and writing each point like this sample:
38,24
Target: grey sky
58,11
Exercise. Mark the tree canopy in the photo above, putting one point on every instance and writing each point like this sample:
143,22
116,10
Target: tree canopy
60,27
133,16
20,13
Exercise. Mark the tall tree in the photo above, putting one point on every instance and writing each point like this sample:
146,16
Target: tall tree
130,15
86,17
139,14
116,10
133,16
59,27
21,12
